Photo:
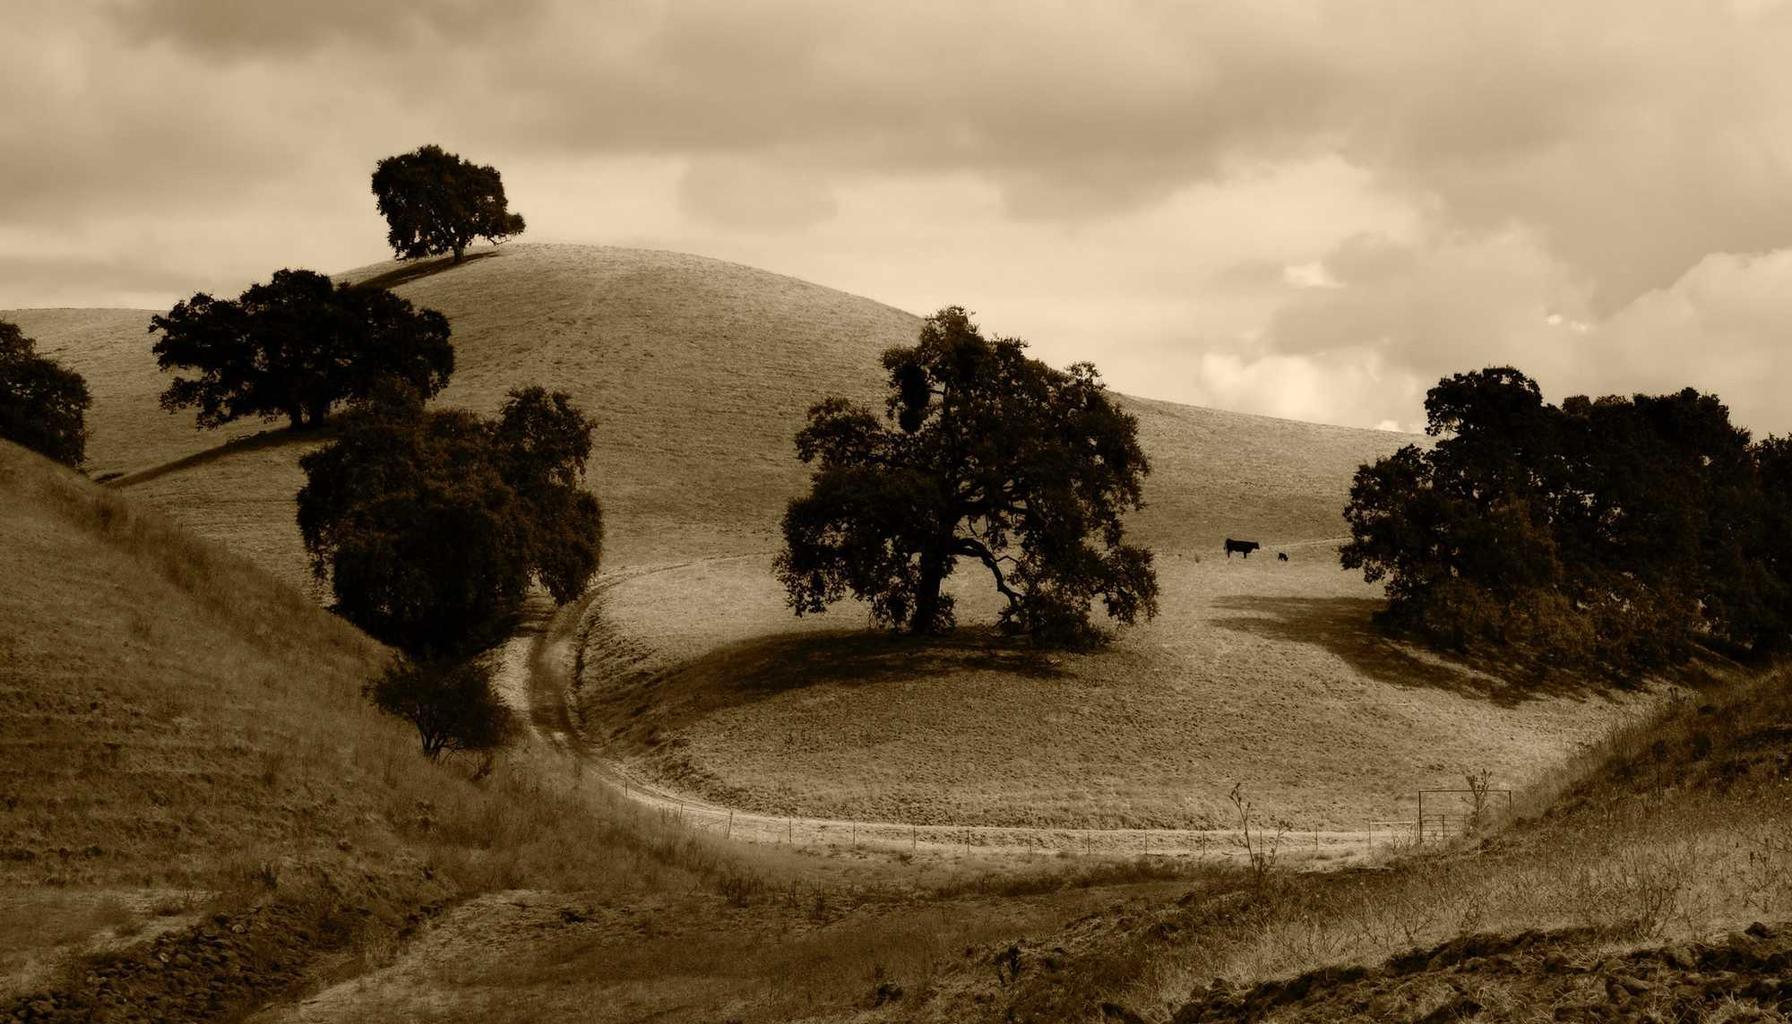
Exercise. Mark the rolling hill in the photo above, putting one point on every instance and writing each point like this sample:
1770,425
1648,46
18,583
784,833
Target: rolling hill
700,372
696,677
181,736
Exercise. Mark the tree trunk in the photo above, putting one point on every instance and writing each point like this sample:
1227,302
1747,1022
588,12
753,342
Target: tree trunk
297,416
460,251
927,595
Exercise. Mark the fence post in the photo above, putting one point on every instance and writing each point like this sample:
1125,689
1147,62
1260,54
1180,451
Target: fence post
914,838
730,834
790,831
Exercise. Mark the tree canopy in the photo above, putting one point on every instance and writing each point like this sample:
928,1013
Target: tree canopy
1611,532
430,525
435,202
982,453
296,347
43,405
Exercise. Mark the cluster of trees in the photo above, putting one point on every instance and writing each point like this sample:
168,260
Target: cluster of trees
983,454
43,404
1609,534
428,525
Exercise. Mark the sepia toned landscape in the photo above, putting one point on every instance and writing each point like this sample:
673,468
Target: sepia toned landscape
548,624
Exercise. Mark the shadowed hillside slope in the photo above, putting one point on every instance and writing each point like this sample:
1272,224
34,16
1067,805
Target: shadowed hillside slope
181,733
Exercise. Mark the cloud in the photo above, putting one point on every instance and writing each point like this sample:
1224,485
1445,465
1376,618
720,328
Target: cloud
1219,203
755,194
240,30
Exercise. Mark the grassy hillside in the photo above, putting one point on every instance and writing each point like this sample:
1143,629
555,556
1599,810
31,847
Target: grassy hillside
699,372
200,816
1649,880
1260,672
184,734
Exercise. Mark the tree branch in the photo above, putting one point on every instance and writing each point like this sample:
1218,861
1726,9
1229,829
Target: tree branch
976,549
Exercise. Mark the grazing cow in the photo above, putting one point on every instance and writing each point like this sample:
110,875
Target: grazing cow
1243,547
1281,556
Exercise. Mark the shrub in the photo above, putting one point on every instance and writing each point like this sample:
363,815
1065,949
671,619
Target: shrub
43,405
451,703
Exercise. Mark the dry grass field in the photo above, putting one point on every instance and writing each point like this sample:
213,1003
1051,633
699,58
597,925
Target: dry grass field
200,815
201,818
1632,885
1258,671
182,733
699,373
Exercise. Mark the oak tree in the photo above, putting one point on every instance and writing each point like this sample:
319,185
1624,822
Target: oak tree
430,525
982,454
435,202
43,404
296,347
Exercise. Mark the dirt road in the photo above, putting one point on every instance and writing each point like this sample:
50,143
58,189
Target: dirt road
534,672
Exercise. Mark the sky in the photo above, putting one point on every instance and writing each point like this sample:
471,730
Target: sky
1311,210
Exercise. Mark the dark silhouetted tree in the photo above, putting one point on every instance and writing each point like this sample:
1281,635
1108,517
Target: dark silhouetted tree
451,702
430,525
296,347
43,405
435,202
1613,533
982,454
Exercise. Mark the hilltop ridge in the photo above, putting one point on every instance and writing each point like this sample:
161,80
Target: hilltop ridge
699,372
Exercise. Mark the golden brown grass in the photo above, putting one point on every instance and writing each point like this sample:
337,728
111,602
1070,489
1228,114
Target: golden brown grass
126,429
1256,671
176,719
699,372
1675,832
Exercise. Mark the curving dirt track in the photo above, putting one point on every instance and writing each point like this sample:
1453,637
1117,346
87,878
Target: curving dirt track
534,669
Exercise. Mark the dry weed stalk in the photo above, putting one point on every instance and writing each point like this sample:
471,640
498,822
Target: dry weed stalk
1259,850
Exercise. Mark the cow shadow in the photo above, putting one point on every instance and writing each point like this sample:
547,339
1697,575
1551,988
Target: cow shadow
1344,627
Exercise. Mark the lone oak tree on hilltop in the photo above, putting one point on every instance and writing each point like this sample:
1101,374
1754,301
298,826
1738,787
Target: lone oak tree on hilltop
435,202
982,453
296,347
43,405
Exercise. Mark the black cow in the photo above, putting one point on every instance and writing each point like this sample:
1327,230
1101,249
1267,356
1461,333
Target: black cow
1243,547
1281,556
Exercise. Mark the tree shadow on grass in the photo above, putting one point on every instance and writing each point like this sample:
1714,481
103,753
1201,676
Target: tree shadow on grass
764,667
1343,626
405,273
276,438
